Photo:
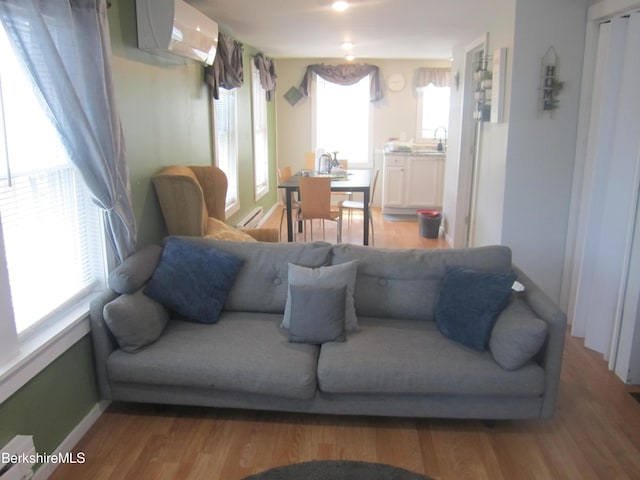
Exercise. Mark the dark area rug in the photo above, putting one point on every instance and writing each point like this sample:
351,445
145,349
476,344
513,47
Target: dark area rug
337,470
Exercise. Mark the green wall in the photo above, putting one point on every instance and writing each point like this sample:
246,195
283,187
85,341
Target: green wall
166,115
166,118
52,403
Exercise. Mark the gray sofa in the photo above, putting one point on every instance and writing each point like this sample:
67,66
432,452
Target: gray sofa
397,363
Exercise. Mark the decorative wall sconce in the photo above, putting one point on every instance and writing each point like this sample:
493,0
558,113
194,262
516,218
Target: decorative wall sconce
550,86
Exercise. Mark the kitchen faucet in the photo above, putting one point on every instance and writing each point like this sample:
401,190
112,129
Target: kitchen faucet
435,134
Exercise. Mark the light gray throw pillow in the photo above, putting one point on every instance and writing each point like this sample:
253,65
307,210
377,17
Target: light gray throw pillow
135,320
340,275
134,272
517,335
317,314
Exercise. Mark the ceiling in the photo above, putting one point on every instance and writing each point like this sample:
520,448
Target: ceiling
393,29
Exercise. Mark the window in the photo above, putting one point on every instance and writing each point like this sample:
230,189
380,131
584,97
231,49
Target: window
52,232
343,120
260,136
433,112
227,144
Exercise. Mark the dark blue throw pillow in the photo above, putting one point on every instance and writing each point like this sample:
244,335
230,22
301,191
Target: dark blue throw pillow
469,304
193,280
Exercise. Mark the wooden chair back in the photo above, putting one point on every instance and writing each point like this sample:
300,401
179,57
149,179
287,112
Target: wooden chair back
315,198
310,161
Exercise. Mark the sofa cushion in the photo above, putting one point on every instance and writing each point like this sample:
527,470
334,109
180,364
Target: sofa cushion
243,352
193,280
406,357
517,335
133,273
317,314
262,283
469,304
343,275
405,283
219,230
135,320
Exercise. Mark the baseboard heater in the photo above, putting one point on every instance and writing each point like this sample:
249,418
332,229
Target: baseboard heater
17,456
253,219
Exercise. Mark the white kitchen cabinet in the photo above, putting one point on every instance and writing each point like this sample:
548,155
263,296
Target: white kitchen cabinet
412,182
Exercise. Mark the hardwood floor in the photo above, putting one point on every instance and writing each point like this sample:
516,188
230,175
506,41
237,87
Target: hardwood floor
387,234
594,435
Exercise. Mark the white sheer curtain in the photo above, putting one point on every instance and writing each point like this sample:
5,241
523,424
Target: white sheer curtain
66,48
610,188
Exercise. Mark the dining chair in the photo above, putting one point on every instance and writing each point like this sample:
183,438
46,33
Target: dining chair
315,204
310,161
352,205
341,196
284,173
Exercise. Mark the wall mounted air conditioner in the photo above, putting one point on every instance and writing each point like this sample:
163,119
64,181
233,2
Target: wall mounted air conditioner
176,27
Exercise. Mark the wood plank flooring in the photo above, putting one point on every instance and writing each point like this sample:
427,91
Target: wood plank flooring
594,435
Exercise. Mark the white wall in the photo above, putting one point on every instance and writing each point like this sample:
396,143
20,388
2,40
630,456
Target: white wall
491,161
541,148
394,115
526,163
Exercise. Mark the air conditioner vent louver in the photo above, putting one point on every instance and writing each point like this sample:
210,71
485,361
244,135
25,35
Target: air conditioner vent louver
175,27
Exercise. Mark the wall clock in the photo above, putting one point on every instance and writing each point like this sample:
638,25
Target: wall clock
396,82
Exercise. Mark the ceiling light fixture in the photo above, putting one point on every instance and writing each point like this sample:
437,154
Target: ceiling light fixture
340,5
346,45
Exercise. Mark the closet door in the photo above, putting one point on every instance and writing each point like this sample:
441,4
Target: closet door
610,188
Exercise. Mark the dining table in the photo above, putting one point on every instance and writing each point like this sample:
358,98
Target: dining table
341,181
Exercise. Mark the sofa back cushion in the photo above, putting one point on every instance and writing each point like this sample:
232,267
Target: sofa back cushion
405,284
262,283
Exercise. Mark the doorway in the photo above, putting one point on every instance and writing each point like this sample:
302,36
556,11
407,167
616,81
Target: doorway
470,135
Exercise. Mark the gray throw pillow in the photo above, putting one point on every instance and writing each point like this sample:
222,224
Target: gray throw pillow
134,272
330,276
517,336
317,314
135,320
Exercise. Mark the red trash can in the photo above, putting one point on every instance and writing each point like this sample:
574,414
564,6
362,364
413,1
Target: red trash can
429,221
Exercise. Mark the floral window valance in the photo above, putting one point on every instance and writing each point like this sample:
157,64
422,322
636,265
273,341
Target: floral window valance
227,69
345,74
438,76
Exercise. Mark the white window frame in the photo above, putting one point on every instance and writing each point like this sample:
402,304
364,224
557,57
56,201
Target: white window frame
420,138
26,353
228,99
369,163
260,136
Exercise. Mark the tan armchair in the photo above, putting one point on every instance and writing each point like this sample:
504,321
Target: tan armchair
192,199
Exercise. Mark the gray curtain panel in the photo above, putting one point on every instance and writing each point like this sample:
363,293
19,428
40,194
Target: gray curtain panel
227,69
266,67
345,74
66,47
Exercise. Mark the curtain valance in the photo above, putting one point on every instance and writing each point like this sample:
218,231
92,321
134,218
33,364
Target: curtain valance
439,76
266,67
227,69
345,74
